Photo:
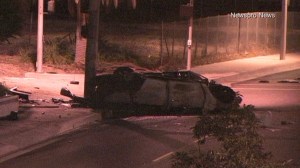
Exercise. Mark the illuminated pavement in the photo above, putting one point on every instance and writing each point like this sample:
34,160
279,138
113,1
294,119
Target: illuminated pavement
40,125
249,68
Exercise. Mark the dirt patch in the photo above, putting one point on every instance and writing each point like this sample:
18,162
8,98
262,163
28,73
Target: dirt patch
13,66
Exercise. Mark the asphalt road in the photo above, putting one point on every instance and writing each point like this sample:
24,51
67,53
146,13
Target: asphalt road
136,142
146,142
277,102
279,91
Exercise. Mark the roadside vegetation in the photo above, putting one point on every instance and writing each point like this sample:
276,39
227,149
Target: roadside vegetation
152,36
139,44
239,144
3,90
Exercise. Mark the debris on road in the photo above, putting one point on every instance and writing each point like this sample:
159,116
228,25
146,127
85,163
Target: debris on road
9,104
264,81
75,101
286,123
289,81
74,82
38,106
22,94
58,100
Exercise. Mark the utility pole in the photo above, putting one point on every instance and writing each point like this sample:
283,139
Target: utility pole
92,47
39,62
284,29
189,42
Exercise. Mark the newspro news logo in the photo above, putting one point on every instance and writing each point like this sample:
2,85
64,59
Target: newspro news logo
253,15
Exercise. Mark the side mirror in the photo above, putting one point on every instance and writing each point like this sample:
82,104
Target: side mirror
66,92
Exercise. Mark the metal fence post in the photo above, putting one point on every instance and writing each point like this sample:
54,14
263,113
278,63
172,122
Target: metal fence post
239,35
256,32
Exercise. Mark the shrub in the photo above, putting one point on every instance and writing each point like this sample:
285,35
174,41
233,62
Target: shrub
59,51
27,53
240,144
114,53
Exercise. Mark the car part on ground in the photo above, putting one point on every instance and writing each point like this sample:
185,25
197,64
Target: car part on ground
75,102
22,94
9,106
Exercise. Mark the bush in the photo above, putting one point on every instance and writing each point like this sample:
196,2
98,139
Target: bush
241,145
28,53
114,53
59,51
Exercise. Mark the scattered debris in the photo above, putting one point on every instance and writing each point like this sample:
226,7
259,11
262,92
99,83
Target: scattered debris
264,81
52,72
9,106
22,94
74,82
273,129
76,100
66,104
286,123
38,106
288,81
57,100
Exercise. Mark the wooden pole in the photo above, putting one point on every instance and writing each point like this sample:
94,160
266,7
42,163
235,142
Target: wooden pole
92,47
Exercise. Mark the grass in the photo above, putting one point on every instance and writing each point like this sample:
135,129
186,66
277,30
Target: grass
140,44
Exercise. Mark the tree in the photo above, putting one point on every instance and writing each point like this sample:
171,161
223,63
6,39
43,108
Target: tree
10,19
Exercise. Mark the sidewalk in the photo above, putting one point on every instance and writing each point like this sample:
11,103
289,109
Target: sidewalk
249,68
38,125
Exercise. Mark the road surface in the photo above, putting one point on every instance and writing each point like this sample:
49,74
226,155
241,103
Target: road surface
146,142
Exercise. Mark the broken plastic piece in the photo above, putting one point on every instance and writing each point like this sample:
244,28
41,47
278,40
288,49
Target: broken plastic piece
20,93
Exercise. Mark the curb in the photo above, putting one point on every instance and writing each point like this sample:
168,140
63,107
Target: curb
286,86
66,128
69,77
80,122
244,76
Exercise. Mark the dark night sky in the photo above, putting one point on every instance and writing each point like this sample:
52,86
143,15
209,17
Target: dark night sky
168,10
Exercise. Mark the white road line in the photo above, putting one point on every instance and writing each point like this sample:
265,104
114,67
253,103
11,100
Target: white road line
163,157
167,155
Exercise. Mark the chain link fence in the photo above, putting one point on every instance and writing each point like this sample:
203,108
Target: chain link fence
226,34
216,36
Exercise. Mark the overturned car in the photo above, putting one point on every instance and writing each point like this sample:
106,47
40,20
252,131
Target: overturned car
166,91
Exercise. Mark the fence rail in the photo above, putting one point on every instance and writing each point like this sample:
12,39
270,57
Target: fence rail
229,34
217,35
